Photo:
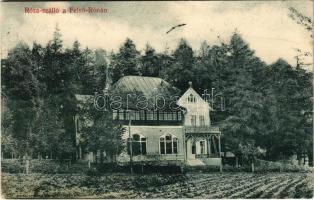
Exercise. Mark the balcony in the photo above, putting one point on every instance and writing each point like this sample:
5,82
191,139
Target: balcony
202,129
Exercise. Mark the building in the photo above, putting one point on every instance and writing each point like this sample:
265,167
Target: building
166,128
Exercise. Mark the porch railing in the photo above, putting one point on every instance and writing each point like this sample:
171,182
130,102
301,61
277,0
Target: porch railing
153,157
202,129
212,155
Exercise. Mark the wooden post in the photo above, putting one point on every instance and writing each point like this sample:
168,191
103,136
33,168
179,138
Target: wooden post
209,146
80,152
220,153
142,168
130,143
253,166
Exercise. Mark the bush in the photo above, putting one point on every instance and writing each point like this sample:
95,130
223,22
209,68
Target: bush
92,172
12,166
43,166
268,166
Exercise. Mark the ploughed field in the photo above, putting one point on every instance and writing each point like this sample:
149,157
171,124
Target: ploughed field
196,185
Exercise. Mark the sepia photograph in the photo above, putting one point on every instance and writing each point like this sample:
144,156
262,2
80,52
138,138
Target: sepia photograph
157,100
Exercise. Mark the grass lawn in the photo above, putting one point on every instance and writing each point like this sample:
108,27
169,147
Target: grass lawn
196,185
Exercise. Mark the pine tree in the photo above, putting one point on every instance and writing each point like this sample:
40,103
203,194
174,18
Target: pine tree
150,62
59,78
22,90
126,61
102,73
244,101
181,70
290,95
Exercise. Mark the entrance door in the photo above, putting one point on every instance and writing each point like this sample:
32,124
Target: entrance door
194,148
202,147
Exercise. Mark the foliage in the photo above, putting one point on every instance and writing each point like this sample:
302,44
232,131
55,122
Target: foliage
301,19
150,62
126,61
101,132
181,66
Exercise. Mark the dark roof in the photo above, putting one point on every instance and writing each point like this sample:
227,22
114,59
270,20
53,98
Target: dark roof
150,87
145,85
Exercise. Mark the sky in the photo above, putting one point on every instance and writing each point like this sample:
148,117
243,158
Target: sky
265,25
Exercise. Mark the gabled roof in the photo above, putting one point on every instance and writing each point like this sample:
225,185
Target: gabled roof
183,98
145,85
149,87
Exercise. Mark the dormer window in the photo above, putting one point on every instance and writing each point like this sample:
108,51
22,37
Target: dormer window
191,98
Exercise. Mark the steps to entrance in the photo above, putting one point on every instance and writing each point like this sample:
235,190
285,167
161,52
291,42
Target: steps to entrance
195,162
204,162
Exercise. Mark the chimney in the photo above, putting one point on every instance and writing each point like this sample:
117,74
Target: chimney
190,84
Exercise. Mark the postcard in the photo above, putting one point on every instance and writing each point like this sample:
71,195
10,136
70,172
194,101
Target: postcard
157,99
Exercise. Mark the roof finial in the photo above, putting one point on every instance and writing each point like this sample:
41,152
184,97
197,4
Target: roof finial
190,83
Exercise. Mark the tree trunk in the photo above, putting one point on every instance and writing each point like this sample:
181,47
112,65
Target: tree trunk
310,158
27,156
237,162
27,165
299,158
252,164
95,157
101,157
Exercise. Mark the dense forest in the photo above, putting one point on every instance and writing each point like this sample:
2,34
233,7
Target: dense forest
266,106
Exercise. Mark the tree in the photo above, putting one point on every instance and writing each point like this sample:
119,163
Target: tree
210,66
101,133
126,61
49,138
181,70
8,144
289,111
150,62
102,73
59,78
22,88
244,101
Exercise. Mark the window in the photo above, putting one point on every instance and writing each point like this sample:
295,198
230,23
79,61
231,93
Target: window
121,115
202,120
142,115
137,115
168,144
150,115
193,120
114,114
191,98
179,116
155,115
138,145
161,115
169,114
